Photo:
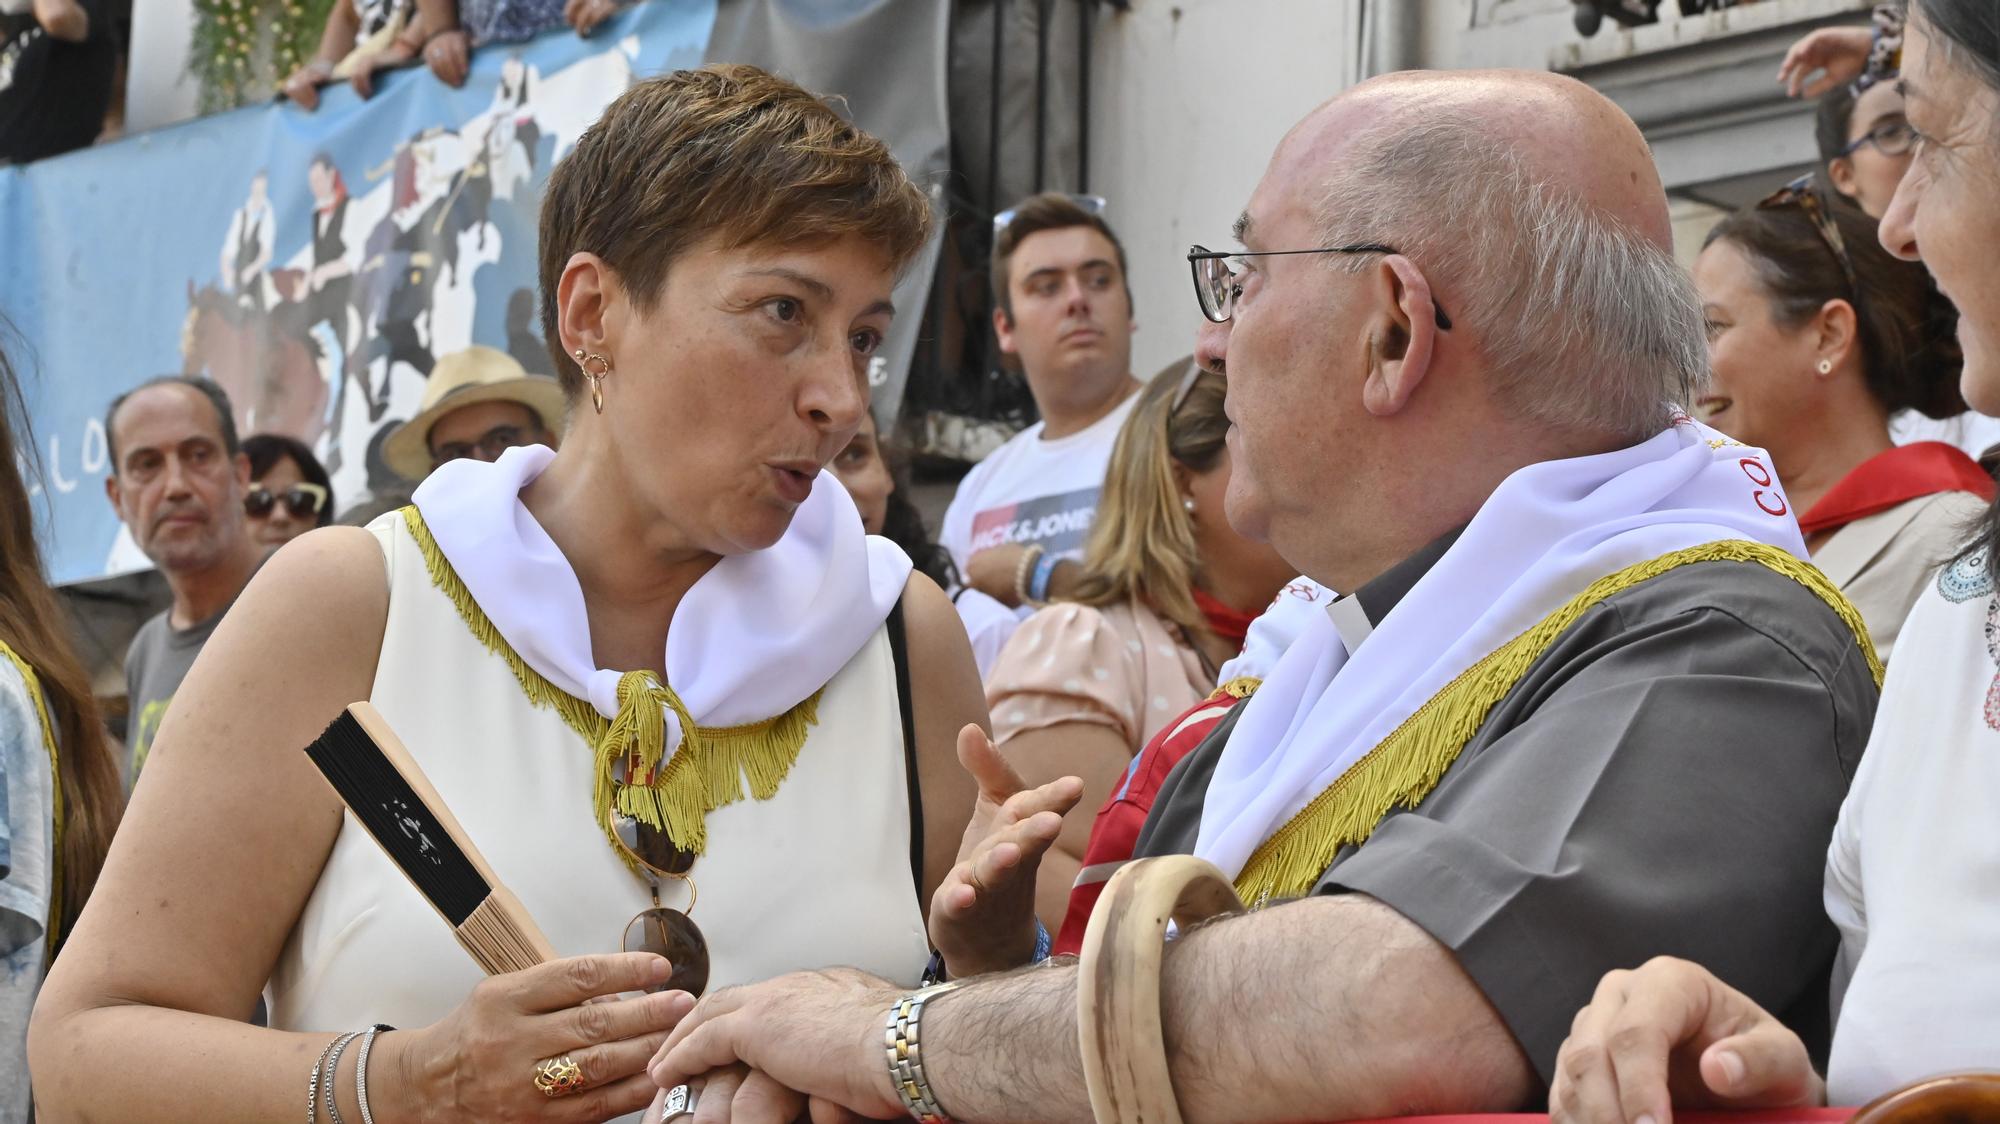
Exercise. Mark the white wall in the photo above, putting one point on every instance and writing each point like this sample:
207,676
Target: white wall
157,89
1188,100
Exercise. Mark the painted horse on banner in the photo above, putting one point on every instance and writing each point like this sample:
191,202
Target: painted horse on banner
264,360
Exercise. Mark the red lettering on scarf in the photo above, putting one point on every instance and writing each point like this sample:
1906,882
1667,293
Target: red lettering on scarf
1758,474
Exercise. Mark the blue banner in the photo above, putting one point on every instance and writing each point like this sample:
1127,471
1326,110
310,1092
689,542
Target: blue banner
314,264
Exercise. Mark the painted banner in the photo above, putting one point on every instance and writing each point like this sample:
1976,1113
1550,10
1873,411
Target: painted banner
316,265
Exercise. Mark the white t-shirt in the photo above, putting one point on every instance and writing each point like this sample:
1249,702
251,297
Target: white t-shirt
1972,431
1913,876
1030,490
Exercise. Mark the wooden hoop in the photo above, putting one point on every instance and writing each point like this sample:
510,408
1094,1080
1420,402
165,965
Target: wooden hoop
1118,982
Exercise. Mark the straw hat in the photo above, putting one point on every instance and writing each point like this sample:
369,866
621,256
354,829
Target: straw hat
477,374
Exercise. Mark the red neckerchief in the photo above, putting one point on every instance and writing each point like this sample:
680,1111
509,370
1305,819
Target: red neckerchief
1901,474
1223,620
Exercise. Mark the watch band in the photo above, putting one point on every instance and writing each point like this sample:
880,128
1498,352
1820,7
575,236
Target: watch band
902,1036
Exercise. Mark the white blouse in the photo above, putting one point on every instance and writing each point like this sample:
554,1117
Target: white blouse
1913,876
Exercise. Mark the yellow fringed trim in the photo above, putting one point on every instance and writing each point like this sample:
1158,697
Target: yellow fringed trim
1401,771
1241,687
707,773
34,687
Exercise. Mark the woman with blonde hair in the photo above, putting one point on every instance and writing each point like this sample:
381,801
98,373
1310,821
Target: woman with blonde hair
1168,592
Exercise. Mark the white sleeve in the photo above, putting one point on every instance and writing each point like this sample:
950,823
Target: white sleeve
1845,904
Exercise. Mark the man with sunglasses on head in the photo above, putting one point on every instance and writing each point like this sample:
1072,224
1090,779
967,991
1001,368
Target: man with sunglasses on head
478,403
178,481
1062,306
1585,703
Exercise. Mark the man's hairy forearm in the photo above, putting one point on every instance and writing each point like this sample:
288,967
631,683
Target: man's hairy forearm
1329,1008
1007,1049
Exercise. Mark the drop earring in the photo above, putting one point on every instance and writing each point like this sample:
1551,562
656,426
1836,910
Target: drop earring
583,360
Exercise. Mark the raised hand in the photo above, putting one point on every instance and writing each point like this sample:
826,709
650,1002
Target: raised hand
1842,52
1671,1034
983,914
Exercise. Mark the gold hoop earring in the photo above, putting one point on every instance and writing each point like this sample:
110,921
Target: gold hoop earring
583,361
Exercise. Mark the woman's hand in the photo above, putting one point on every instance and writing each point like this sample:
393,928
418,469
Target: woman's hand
303,86
983,914
395,54
449,55
478,1062
585,15
1842,52
1671,1034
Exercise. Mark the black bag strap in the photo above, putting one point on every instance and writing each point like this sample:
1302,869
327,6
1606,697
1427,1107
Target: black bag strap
899,649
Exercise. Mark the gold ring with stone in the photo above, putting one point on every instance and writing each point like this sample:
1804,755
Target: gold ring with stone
558,1077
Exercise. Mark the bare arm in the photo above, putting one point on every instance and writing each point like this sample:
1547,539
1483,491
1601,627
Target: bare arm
945,697
1097,754
1330,1008
142,1017
145,1011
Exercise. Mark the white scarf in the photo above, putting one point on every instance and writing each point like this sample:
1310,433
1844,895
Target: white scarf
753,638
1541,538
1298,604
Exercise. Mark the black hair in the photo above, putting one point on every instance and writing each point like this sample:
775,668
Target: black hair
265,450
1831,122
1907,330
225,415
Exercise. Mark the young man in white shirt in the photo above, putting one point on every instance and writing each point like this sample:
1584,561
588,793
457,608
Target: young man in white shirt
1017,526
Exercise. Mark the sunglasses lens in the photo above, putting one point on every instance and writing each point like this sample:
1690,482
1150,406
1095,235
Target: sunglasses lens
302,505
651,846
674,935
258,504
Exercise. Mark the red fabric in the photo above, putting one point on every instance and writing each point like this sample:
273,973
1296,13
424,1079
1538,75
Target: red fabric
1904,473
1223,620
1116,830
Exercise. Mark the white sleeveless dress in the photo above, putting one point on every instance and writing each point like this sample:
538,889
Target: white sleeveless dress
818,875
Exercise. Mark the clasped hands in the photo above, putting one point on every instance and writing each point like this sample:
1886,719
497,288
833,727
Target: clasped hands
810,1044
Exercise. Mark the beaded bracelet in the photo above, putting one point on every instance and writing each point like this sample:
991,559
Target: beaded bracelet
329,1064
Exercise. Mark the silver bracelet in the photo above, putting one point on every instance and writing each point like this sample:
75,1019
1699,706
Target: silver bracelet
329,1068
906,1057
312,1085
361,1071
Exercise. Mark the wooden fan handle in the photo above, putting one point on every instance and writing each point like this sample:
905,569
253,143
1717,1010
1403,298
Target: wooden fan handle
1118,982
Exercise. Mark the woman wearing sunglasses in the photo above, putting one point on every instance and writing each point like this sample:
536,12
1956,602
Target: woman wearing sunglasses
685,707
290,492
1817,337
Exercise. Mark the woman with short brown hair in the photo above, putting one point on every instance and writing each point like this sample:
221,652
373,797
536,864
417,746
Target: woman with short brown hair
666,654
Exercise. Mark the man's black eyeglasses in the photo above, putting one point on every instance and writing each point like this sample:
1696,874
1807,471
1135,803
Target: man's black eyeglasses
1215,284
1890,138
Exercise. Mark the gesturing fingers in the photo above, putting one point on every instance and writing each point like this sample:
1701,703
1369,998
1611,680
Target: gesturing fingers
997,780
